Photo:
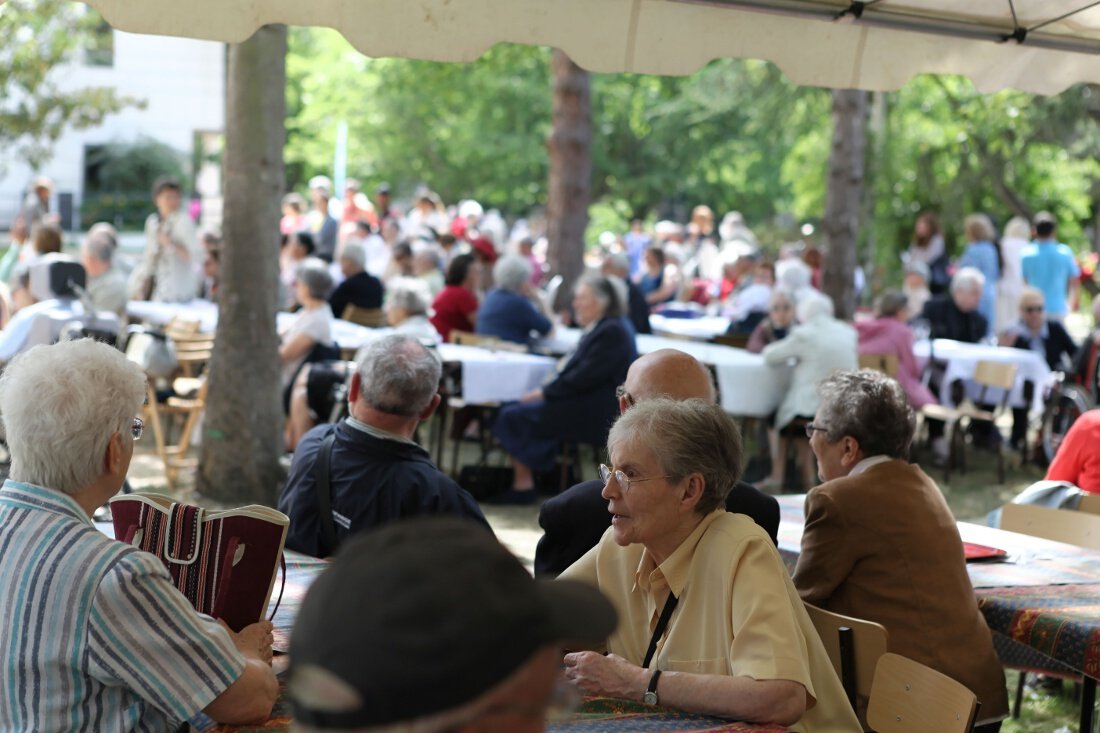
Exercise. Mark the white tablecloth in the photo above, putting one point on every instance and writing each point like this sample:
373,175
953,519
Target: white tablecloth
699,329
487,376
962,359
746,385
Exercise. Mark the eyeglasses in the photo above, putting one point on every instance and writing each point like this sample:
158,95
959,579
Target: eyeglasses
138,428
622,394
621,478
1032,308
811,428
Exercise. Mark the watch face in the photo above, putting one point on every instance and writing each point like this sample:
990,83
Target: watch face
649,698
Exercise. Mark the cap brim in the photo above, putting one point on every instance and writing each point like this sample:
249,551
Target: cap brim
577,611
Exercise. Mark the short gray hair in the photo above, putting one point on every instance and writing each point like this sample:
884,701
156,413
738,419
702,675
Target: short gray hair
686,436
410,294
606,293
511,272
100,246
618,262
890,303
314,274
398,375
60,405
870,407
355,253
968,278
813,304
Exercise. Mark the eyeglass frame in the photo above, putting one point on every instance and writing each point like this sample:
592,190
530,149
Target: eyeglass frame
622,394
137,428
606,473
811,429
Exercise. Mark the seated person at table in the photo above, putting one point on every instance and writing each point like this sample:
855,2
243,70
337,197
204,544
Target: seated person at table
618,265
660,281
512,310
1047,338
955,316
455,308
889,334
377,473
407,303
739,643
778,322
360,288
579,405
574,521
881,544
1086,362
819,345
312,325
748,306
100,638
107,288
452,595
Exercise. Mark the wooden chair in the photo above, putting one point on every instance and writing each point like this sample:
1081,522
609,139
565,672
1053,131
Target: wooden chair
493,343
885,363
369,317
184,412
854,647
988,375
908,697
1089,504
1075,528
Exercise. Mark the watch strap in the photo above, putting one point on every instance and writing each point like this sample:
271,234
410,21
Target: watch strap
650,697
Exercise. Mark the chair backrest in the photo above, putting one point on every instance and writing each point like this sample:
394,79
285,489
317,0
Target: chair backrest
369,317
908,697
486,342
736,340
1075,528
885,363
994,375
854,647
1089,503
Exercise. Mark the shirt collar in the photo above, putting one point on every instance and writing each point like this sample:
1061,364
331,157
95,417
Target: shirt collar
40,498
867,463
673,572
377,432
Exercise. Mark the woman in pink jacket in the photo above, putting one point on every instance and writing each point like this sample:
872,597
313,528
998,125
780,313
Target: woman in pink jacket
889,333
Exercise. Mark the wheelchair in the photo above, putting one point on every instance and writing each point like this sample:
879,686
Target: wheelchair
1064,401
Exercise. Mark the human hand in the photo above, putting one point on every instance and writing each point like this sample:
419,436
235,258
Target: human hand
611,675
253,641
533,396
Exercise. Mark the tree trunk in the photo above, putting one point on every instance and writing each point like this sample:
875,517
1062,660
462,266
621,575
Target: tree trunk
242,439
570,148
843,197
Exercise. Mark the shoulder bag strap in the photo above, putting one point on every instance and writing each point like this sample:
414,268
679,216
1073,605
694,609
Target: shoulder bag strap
662,624
323,486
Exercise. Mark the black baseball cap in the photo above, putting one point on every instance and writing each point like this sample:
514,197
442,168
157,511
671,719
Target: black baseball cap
427,614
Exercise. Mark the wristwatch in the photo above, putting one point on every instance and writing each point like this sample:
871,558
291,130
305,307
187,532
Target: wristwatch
650,696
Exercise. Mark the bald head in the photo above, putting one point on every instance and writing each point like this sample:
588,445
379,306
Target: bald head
667,373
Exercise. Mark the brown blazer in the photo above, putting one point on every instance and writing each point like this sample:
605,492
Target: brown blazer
883,546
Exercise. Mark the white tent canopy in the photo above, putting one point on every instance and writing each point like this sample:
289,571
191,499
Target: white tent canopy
1036,45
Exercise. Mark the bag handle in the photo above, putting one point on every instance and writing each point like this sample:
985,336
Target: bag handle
282,586
185,531
323,485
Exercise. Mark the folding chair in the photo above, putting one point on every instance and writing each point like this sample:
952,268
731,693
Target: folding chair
908,697
185,411
854,647
988,375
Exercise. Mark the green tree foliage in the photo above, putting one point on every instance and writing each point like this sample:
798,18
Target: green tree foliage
36,106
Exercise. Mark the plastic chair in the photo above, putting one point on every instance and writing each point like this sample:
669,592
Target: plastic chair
908,697
854,647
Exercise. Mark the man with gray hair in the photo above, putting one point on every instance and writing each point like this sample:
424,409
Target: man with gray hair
360,288
367,469
107,287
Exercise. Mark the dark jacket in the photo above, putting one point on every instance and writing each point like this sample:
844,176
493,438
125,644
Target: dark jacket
580,404
510,316
638,308
373,481
573,521
946,321
362,290
1057,344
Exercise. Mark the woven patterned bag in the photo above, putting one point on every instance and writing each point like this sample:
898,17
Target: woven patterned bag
224,562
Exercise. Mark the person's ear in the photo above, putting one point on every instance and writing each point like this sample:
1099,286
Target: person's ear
356,387
430,409
113,456
851,451
695,485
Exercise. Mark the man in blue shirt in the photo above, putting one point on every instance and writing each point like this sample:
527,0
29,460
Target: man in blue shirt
1051,267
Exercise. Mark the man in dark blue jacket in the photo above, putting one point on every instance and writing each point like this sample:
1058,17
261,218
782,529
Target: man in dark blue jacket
376,472
574,521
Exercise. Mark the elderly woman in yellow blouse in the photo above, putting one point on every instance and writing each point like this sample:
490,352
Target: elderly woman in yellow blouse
710,621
